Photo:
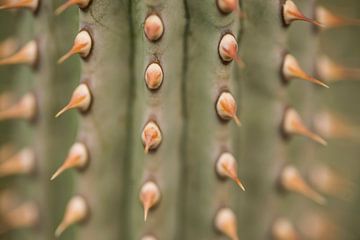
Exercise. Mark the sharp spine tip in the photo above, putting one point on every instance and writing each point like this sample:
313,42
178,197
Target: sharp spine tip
291,69
291,180
82,45
80,99
226,107
22,163
76,211
76,158
151,136
226,166
28,54
292,13
13,4
149,196
293,124
226,223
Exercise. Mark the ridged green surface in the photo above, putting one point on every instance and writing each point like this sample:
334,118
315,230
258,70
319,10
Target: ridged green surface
105,128
184,108
163,164
53,137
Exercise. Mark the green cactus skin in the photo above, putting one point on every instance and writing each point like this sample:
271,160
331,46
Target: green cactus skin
17,80
105,128
53,137
263,101
163,164
205,136
193,136
342,154
49,138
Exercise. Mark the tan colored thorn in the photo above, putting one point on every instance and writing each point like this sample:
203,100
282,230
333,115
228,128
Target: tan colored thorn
292,181
332,125
82,45
24,216
330,182
148,237
228,49
21,163
6,151
293,125
153,27
77,158
6,99
226,223
25,109
16,4
28,54
7,47
69,3
154,76
226,166
331,71
149,196
291,13
227,6
76,212
291,69
80,99
151,136
317,226
330,20
283,229
8,200
226,107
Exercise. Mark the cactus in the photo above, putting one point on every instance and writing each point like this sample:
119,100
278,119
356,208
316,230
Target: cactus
196,119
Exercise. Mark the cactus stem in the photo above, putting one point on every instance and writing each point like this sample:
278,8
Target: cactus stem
153,27
24,109
330,20
151,136
15,4
293,124
291,12
291,69
283,229
334,72
24,216
154,76
228,49
291,180
149,196
69,3
28,54
82,46
226,167
76,211
21,163
77,158
226,107
80,99
225,222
